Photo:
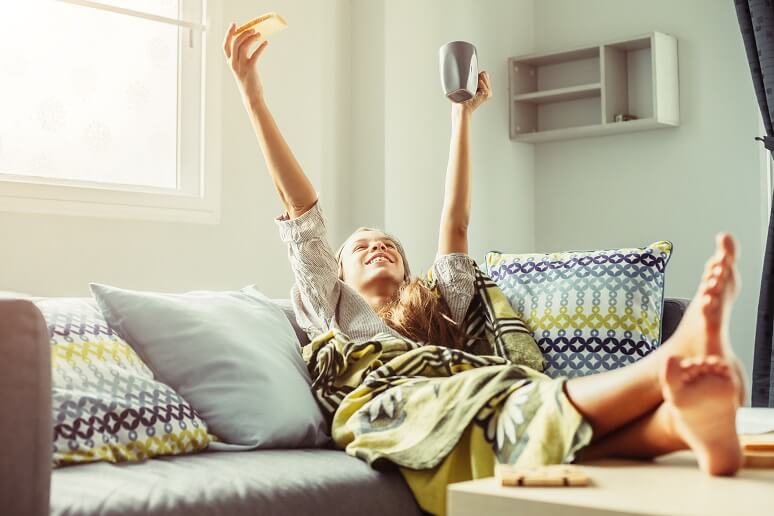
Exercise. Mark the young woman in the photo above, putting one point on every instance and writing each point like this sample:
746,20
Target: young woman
683,395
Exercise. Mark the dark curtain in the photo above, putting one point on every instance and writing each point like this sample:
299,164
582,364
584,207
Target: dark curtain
756,20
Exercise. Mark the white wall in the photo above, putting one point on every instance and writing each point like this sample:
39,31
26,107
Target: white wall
682,184
305,74
365,181
397,82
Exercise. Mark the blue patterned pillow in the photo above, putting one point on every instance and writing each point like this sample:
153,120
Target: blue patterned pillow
589,311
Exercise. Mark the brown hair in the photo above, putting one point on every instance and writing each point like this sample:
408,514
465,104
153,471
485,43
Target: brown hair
416,311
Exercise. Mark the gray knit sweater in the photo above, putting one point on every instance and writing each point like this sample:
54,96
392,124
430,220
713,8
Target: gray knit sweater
322,301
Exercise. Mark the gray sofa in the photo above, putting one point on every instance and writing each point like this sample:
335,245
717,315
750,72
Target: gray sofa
318,481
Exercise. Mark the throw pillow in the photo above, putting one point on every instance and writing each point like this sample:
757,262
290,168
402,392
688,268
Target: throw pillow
233,355
589,311
106,404
286,305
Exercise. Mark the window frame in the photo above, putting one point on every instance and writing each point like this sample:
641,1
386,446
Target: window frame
197,197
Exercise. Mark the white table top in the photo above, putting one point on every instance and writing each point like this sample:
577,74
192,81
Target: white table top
672,485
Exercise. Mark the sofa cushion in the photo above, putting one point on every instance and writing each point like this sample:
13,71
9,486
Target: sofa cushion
233,355
106,403
265,482
589,311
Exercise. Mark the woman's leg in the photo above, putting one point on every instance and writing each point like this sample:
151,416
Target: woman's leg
647,437
696,376
613,399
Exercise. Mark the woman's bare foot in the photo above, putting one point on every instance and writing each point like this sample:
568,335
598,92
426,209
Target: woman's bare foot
702,394
701,380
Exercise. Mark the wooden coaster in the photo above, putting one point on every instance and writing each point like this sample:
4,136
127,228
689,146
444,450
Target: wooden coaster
758,459
759,447
758,450
555,475
757,442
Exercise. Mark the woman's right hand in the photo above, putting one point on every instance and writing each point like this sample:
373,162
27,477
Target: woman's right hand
242,65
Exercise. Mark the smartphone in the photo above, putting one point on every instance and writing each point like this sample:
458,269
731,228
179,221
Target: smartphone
267,24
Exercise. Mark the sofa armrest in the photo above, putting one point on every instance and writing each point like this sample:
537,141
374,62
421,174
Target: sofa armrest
25,399
674,309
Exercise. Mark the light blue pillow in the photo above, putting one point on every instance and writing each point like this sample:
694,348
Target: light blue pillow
232,355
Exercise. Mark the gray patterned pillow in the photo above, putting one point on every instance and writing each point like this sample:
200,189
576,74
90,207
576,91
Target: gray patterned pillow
232,354
106,404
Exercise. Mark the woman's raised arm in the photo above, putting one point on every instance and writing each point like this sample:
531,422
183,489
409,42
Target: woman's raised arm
455,215
294,188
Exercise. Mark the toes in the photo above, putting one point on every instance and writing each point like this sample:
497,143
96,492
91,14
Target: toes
726,242
673,371
690,374
710,267
713,364
724,256
726,246
699,366
715,276
720,369
710,306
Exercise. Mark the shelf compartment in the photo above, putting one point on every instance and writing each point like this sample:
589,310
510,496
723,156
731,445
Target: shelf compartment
532,74
561,94
530,117
627,74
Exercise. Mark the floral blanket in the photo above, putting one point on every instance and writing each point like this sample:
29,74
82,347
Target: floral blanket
446,415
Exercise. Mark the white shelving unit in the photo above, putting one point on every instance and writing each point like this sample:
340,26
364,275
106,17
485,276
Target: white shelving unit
578,93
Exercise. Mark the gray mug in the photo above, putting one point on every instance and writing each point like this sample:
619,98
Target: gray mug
459,70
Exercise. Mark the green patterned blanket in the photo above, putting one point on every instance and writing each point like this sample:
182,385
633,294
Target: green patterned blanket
445,415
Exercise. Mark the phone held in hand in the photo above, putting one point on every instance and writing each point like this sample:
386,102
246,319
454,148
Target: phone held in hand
267,24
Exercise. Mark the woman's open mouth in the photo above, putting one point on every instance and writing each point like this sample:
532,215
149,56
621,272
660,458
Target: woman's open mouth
378,258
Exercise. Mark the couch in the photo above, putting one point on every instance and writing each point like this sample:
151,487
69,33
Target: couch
299,481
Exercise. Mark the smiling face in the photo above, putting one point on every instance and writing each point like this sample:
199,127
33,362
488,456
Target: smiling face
371,260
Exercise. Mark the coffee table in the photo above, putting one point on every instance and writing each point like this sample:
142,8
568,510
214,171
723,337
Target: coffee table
671,485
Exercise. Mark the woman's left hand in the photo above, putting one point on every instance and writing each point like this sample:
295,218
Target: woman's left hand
483,93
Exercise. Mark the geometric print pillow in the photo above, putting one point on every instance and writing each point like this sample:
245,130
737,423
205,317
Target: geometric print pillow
589,311
106,404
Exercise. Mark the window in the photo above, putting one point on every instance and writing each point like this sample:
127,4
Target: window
102,111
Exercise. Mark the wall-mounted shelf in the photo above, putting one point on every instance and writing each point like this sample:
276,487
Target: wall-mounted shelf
579,92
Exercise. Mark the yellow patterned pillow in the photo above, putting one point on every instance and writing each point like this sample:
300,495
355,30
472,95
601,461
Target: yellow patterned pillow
106,404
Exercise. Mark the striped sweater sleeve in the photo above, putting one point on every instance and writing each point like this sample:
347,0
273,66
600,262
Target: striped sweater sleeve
317,288
455,276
